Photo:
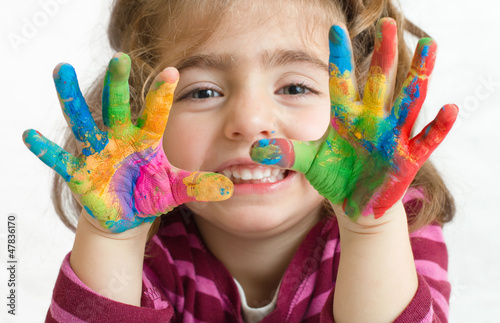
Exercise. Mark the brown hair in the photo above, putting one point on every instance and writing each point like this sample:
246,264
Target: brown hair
143,29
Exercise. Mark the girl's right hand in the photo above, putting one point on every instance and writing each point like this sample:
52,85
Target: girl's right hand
121,176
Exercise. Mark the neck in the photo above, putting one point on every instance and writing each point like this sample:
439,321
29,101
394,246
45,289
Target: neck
256,261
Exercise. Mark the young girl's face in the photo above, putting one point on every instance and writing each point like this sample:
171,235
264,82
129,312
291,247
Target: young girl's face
255,78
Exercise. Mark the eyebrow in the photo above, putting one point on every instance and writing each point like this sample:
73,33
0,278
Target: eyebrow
277,58
284,57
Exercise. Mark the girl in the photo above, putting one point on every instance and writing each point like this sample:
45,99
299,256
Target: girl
235,209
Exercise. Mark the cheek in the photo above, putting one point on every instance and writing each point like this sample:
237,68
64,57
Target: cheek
310,124
184,144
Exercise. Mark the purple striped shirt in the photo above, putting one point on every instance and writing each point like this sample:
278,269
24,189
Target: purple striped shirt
184,282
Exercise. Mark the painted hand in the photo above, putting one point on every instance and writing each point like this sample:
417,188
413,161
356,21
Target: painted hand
366,160
122,177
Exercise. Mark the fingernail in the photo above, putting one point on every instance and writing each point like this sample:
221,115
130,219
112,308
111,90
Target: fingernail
172,76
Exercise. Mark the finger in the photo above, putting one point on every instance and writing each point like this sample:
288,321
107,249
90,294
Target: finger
412,96
153,118
51,154
201,186
90,138
343,91
285,153
381,76
115,93
423,144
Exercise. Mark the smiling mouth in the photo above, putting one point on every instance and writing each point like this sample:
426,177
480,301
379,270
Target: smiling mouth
254,175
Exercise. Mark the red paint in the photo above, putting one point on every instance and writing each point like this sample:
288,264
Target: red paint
385,45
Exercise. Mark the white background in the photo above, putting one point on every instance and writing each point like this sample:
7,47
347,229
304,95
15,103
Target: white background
467,73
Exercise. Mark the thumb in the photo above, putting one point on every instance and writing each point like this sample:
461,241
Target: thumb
200,186
285,153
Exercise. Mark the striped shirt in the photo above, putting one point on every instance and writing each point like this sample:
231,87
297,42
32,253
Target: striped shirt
184,282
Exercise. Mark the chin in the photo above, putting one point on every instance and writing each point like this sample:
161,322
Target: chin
251,217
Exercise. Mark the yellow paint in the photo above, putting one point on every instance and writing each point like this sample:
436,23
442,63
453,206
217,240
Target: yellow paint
207,186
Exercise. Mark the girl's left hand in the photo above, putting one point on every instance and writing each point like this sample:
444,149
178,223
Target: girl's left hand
366,161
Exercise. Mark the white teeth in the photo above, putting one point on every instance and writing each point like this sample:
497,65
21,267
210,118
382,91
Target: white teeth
227,172
239,174
258,174
246,174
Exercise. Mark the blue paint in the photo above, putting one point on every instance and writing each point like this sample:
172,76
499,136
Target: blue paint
88,211
50,154
105,98
386,145
271,161
424,54
367,145
77,110
274,157
404,103
340,111
129,171
329,144
124,225
264,142
340,51
427,129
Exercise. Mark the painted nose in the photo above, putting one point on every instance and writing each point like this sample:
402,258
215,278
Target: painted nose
251,117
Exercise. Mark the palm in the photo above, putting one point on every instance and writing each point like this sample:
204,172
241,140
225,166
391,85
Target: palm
122,177
366,160
113,175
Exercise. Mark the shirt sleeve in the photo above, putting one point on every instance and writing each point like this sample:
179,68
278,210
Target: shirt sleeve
431,301
73,301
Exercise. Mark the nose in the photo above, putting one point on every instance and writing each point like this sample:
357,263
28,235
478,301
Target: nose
251,116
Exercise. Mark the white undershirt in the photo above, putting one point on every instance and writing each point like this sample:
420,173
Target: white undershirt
252,314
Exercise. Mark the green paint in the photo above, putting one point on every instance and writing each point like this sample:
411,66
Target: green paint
116,95
267,155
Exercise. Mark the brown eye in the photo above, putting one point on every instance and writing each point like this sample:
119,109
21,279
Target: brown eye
294,90
204,94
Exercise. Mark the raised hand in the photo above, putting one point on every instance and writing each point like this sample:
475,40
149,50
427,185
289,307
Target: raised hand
366,160
122,177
